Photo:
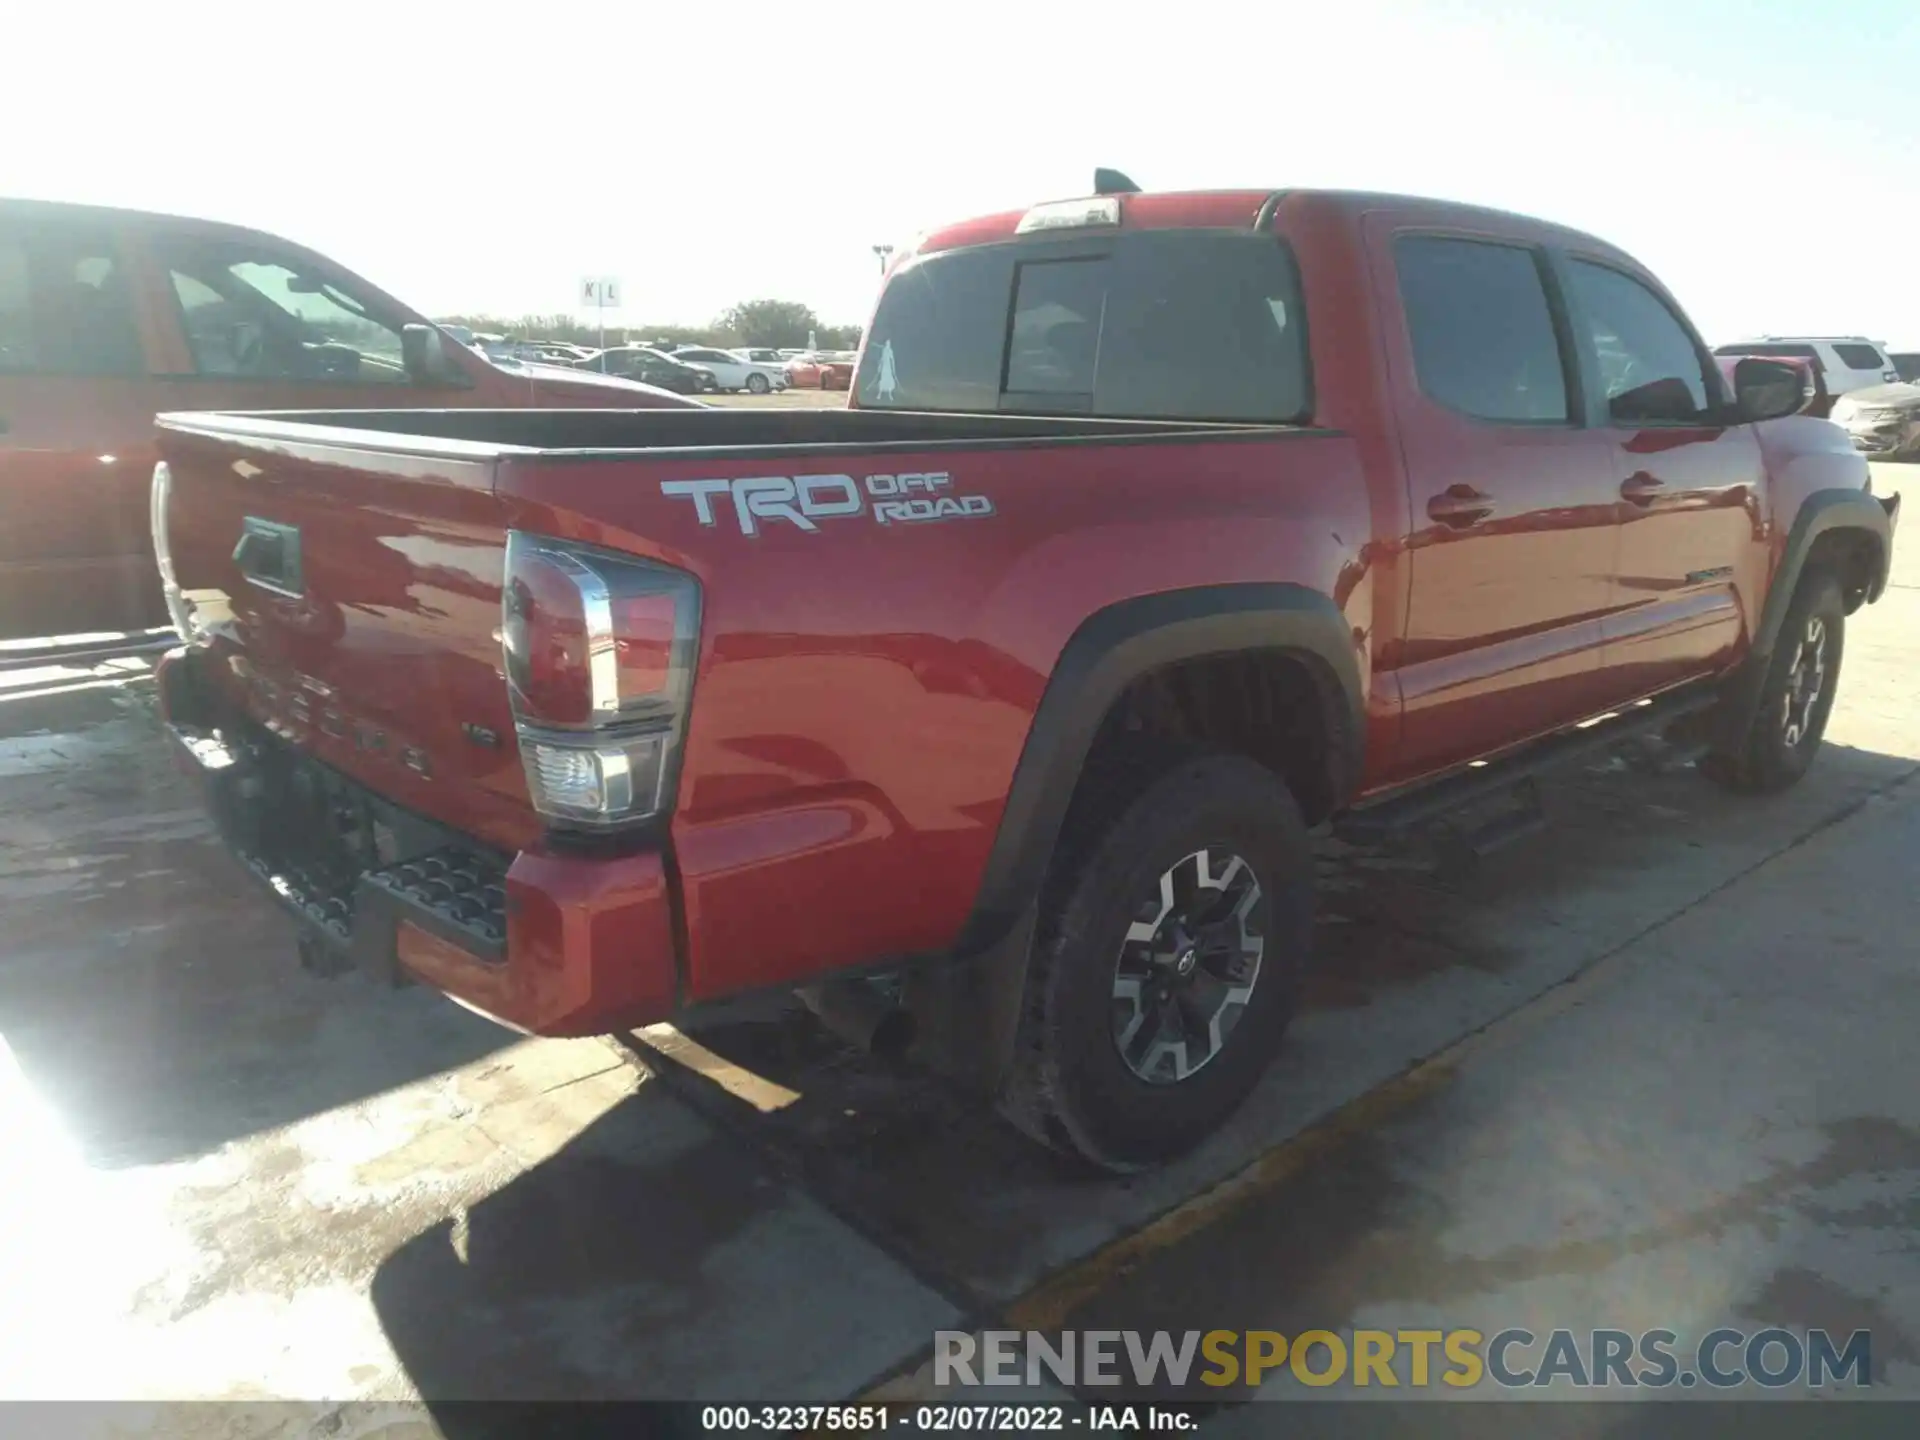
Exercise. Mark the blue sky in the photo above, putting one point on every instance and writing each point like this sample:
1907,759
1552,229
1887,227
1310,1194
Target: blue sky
1760,156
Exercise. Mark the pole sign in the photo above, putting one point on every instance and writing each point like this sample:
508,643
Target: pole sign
600,292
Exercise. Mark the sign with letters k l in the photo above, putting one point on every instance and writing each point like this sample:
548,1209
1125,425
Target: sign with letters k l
600,292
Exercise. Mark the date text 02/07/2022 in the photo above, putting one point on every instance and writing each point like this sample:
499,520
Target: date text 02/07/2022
943,1419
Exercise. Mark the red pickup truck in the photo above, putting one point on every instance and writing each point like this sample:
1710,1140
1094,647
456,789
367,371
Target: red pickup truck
994,712
108,317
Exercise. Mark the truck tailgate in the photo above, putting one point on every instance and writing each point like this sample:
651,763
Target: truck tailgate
354,599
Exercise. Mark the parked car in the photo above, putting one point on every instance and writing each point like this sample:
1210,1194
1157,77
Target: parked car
732,371
1842,363
1907,363
803,370
998,731
550,352
651,367
820,370
108,316
836,371
1883,421
776,358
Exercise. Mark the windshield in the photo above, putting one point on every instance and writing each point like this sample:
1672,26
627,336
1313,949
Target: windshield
1187,324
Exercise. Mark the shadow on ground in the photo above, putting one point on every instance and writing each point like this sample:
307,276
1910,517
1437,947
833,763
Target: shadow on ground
149,992
649,1256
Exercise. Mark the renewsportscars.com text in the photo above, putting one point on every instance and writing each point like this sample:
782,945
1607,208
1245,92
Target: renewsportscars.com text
1722,1359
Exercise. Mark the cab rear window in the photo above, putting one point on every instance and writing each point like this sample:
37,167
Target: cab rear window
1168,324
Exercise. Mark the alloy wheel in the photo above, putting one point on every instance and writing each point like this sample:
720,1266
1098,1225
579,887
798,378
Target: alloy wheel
1806,680
1188,965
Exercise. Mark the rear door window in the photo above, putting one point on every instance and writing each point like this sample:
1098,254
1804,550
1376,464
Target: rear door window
1483,338
64,305
1166,324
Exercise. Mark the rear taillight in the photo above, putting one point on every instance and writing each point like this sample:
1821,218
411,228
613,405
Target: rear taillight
600,650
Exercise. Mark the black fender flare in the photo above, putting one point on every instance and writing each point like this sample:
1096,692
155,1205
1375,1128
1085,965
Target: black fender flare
1110,650
1821,512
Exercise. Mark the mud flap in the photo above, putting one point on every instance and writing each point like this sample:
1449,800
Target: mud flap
966,1012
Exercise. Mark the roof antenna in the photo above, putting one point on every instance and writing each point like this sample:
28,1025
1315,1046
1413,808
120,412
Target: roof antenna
1112,182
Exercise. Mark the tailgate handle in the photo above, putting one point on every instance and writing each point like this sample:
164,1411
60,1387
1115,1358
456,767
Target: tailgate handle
268,554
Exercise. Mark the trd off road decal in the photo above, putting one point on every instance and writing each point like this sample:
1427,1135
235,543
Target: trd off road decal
801,500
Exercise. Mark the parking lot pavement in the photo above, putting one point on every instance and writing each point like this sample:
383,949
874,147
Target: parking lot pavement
247,1182
784,400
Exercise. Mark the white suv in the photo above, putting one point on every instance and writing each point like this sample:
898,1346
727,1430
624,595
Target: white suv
1840,362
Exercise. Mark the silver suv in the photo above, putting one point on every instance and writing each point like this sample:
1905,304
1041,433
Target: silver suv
1840,362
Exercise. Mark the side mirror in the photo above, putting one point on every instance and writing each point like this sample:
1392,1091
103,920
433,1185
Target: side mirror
1770,389
423,349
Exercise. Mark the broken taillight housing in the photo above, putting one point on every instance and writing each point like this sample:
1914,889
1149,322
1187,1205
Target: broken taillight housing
600,650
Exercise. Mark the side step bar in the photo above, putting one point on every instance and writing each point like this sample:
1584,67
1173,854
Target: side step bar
35,654
1403,810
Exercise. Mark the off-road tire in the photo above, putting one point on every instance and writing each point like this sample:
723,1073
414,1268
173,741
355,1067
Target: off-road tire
1069,1086
1768,757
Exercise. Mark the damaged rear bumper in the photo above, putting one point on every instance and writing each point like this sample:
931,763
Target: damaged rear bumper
549,944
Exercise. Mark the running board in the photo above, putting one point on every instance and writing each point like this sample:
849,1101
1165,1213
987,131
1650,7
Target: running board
1403,810
15,655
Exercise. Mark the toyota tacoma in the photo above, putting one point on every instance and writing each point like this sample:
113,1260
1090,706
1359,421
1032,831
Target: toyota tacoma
993,713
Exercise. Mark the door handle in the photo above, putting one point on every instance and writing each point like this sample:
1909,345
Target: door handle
1641,488
1459,506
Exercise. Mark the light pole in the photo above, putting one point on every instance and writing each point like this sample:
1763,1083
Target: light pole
883,251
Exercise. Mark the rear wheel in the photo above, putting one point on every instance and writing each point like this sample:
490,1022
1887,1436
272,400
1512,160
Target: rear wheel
757,385
1166,964
1796,697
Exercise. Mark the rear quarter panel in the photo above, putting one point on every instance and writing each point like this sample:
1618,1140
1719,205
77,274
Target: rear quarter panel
864,690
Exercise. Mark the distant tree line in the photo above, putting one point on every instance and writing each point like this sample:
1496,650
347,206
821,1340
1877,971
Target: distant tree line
775,324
